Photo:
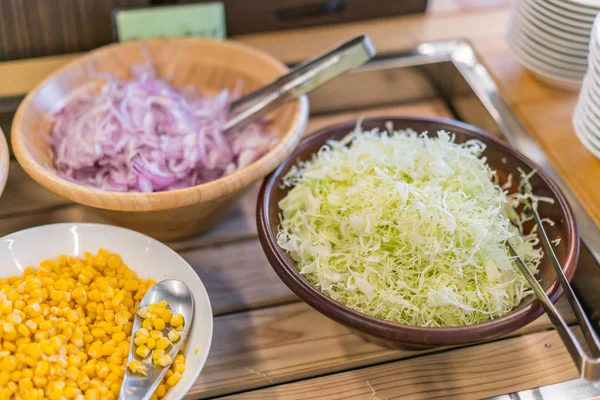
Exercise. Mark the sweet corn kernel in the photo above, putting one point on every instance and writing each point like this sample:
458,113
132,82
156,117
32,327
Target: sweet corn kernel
142,351
159,324
176,320
150,343
166,315
147,324
178,368
156,354
140,340
164,360
137,367
143,312
172,381
119,337
173,335
162,343
161,390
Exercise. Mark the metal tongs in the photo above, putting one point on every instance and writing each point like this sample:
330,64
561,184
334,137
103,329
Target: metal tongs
301,80
587,361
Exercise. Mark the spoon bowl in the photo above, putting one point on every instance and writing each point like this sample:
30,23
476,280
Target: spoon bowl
180,301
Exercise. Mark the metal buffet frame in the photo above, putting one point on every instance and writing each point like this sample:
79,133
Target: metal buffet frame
450,71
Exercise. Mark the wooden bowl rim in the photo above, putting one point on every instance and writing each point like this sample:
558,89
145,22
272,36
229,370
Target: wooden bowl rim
4,161
392,331
127,201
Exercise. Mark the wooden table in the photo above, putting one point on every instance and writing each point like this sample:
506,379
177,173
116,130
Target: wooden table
267,344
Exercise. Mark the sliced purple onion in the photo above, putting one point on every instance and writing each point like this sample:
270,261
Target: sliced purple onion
145,136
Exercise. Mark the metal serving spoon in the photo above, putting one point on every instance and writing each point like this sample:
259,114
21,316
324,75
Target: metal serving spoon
181,301
301,80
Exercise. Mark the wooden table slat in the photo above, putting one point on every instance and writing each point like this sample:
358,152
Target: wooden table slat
475,372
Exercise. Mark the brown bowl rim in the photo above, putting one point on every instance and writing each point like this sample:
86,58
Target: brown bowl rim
414,335
156,201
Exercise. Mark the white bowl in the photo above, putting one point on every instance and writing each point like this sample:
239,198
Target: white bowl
145,256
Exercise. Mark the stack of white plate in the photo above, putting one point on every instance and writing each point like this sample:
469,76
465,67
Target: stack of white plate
586,119
551,38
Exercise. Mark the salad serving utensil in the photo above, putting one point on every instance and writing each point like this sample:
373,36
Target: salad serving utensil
181,301
301,80
586,355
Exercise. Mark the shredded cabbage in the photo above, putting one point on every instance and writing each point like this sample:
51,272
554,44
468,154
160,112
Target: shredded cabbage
406,228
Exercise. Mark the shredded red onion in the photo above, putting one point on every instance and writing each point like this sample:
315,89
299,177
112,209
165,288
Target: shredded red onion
144,135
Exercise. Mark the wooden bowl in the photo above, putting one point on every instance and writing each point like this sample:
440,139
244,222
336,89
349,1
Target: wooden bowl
501,158
210,66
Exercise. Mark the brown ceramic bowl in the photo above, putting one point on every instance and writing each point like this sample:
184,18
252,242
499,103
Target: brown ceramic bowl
501,158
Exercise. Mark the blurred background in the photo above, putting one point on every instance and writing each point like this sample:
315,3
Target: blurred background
34,28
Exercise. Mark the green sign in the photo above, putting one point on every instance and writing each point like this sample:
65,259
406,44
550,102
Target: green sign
206,19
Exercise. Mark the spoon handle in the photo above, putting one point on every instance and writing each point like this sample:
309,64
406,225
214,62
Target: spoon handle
301,80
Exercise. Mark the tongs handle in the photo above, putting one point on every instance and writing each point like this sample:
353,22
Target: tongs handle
586,363
301,80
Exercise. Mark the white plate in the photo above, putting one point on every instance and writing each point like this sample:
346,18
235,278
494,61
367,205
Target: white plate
590,114
566,53
591,5
540,66
547,35
559,9
147,257
542,26
549,19
586,118
560,15
587,107
575,7
590,97
580,131
541,74
549,54
595,4
594,59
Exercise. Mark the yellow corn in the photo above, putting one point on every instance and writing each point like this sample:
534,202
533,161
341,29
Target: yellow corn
77,311
150,343
176,320
173,335
142,351
140,340
143,312
147,324
164,360
156,334
172,381
137,367
162,343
